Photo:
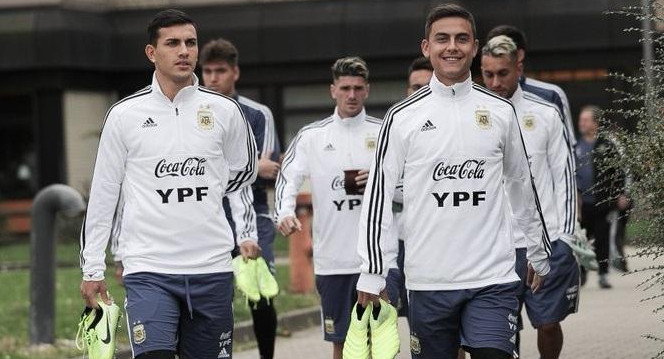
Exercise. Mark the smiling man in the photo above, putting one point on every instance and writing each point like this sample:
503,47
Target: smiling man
459,151
173,149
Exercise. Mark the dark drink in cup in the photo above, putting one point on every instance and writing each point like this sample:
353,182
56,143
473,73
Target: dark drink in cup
350,185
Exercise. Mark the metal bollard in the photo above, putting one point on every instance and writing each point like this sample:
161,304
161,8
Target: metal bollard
47,203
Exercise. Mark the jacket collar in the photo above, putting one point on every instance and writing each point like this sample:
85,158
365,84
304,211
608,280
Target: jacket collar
456,90
349,121
184,94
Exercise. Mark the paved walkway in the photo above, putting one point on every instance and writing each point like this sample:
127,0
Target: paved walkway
609,325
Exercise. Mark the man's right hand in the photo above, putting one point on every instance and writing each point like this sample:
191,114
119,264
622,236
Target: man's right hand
89,291
288,225
119,269
267,168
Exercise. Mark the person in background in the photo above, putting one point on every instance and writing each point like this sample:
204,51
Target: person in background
601,186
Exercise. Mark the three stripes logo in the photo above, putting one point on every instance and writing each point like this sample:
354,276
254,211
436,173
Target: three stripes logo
329,147
149,123
428,126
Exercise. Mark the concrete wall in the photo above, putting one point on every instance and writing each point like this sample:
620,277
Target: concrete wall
83,117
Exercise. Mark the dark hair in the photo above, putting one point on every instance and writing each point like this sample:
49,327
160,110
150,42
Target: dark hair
420,63
167,18
350,66
448,10
512,32
594,110
219,50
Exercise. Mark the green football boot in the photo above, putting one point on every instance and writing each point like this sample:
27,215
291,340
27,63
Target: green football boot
245,278
384,332
267,284
97,330
357,344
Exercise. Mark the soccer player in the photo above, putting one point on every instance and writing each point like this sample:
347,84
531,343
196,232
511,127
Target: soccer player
173,150
250,211
552,165
547,91
458,148
335,154
419,75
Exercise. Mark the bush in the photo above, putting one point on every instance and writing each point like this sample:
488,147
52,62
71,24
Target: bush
641,152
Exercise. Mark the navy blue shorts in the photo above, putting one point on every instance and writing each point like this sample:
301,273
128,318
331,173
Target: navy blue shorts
441,321
559,296
188,314
395,284
338,294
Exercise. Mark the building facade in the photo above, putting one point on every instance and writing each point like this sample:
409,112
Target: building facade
64,62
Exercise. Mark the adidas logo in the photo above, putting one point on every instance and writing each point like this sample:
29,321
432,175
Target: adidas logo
428,126
329,147
223,353
149,123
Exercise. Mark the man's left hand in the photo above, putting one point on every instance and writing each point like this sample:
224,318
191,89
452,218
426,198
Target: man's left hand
250,249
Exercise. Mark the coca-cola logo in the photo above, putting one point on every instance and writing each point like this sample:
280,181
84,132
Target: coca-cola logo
337,183
192,166
469,169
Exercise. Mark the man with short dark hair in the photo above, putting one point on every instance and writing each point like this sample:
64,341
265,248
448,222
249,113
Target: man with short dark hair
335,154
419,74
552,165
173,149
458,149
248,211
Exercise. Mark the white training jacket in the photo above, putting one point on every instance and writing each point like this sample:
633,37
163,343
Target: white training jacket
566,112
460,152
174,162
551,163
322,151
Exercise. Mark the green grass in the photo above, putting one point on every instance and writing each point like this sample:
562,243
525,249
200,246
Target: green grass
67,251
14,315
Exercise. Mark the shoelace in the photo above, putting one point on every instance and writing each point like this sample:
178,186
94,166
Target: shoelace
83,340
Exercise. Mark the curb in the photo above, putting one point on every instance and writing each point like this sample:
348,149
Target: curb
243,332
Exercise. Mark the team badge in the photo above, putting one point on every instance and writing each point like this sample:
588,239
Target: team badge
138,331
205,118
370,141
483,119
329,326
415,347
528,122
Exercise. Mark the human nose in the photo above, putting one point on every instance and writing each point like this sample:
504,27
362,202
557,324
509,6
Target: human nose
182,50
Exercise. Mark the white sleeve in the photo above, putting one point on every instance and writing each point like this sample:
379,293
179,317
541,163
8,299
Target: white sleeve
567,119
107,180
294,169
561,163
376,240
244,214
116,246
522,194
270,140
240,151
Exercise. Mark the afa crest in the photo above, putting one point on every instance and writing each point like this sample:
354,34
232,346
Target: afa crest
415,347
483,119
370,141
205,118
329,326
528,122
138,331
